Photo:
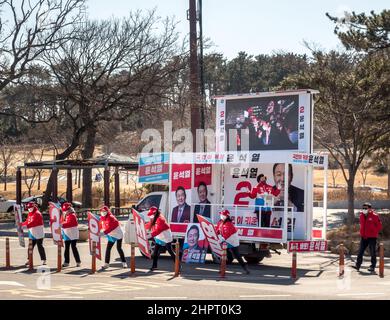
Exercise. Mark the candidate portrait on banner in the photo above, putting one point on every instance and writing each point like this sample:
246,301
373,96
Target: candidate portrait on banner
195,245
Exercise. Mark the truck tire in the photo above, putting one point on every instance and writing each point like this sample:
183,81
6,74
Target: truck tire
10,209
253,260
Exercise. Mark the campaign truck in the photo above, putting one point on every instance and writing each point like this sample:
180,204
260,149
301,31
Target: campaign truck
261,171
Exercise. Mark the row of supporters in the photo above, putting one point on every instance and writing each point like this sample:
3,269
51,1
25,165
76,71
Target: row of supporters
159,229
70,232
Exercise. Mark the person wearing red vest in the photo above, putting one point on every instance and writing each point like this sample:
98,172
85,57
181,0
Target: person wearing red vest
370,225
228,233
70,233
113,231
259,192
161,232
34,224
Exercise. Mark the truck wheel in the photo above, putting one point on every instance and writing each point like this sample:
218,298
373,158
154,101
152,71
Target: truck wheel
10,209
229,258
253,260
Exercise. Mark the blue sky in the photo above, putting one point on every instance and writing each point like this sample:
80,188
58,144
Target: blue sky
249,25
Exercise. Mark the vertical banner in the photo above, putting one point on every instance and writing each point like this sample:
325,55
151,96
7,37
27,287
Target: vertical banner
18,220
55,222
142,239
195,245
94,234
202,191
181,181
211,235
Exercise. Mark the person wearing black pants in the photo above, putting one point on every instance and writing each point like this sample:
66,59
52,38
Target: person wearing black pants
73,244
161,232
41,250
70,233
157,250
370,225
110,244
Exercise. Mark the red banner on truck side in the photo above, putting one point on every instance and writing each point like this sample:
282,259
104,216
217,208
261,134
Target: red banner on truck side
94,235
307,246
142,239
211,235
55,223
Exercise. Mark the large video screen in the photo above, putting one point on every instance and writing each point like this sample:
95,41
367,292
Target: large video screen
272,123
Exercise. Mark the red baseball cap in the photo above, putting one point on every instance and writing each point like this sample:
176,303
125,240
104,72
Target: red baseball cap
152,211
31,204
225,213
66,206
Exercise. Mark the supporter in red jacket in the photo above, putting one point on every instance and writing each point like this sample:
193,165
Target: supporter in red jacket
70,233
161,232
112,229
228,233
370,225
259,193
34,224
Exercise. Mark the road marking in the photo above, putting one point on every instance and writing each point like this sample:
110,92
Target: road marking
163,298
11,283
361,294
265,295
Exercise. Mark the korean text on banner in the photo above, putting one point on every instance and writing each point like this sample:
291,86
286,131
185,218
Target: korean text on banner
55,222
211,235
142,238
94,234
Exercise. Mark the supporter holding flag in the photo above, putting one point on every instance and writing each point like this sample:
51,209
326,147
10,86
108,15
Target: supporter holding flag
70,233
111,228
228,233
161,233
34,224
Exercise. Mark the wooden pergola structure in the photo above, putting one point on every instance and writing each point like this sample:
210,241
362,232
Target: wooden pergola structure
106,162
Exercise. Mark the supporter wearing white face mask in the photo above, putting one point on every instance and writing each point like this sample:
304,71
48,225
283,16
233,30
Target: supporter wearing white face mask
227,232
370,225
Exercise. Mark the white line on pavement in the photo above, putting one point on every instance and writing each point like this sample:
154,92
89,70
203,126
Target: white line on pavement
361,294
163,298
11,283
265,295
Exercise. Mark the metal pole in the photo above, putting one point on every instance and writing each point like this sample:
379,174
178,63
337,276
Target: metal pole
194,73
294,265
117,191
69,191
223,260
93,268
107,186
341,260
18,186
55,185
30,255
59,257
132,259
7,254
381,260
177,258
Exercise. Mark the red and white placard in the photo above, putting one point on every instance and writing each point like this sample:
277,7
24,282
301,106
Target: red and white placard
94,234
211,235
55,223
307,246
142,239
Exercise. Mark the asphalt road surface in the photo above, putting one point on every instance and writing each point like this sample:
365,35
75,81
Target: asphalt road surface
317,278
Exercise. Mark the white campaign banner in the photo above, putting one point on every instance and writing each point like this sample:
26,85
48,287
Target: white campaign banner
18,221
241,179
55,222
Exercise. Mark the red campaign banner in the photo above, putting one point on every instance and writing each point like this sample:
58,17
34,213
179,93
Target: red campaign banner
181,175
153,169
211,235
203,173
55,223
94,235
142,239
307,246
260,233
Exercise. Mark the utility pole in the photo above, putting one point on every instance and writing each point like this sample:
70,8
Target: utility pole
194,73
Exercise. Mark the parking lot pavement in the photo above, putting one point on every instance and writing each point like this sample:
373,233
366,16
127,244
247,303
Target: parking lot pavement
317,278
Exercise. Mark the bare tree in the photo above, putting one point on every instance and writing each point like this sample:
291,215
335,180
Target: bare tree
33,28
7,157
364,169
108,72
